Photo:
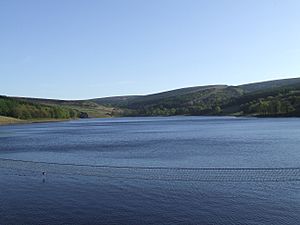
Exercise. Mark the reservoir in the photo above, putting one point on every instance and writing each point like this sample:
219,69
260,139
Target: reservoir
151,170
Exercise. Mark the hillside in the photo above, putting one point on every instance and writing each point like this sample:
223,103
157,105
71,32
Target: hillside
26,110
270,98
273,84
9,120
273,101
135,99
91,108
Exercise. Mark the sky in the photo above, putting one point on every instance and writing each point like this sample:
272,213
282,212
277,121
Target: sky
80,49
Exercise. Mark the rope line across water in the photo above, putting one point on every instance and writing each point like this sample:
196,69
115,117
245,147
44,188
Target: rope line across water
159,173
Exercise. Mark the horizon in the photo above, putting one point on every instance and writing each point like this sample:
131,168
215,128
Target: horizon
76,50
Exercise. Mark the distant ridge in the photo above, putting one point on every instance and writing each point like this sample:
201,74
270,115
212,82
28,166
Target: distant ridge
269,84
274,98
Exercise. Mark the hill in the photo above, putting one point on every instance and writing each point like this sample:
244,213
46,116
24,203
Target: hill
90,108
270,98
273,84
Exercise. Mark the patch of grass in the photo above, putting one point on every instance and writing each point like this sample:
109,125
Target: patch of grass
94,111
9,120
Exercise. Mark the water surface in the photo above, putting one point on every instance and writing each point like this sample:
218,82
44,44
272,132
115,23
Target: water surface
28,197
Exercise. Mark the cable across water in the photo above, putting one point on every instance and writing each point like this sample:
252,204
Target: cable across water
279,174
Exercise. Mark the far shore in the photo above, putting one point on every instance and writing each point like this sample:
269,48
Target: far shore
10,120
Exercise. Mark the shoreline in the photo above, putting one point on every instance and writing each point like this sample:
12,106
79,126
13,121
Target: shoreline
5,121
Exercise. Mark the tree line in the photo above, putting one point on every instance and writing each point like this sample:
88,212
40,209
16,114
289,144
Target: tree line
27,110
273,105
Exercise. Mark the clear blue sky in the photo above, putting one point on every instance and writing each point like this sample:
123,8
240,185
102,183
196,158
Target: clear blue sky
73,49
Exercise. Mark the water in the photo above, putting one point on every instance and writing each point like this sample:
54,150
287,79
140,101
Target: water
151,171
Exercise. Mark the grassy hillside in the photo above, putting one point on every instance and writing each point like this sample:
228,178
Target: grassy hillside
116,101
195,103
271,98
91,108
25,110
125,101
9,120
267,85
